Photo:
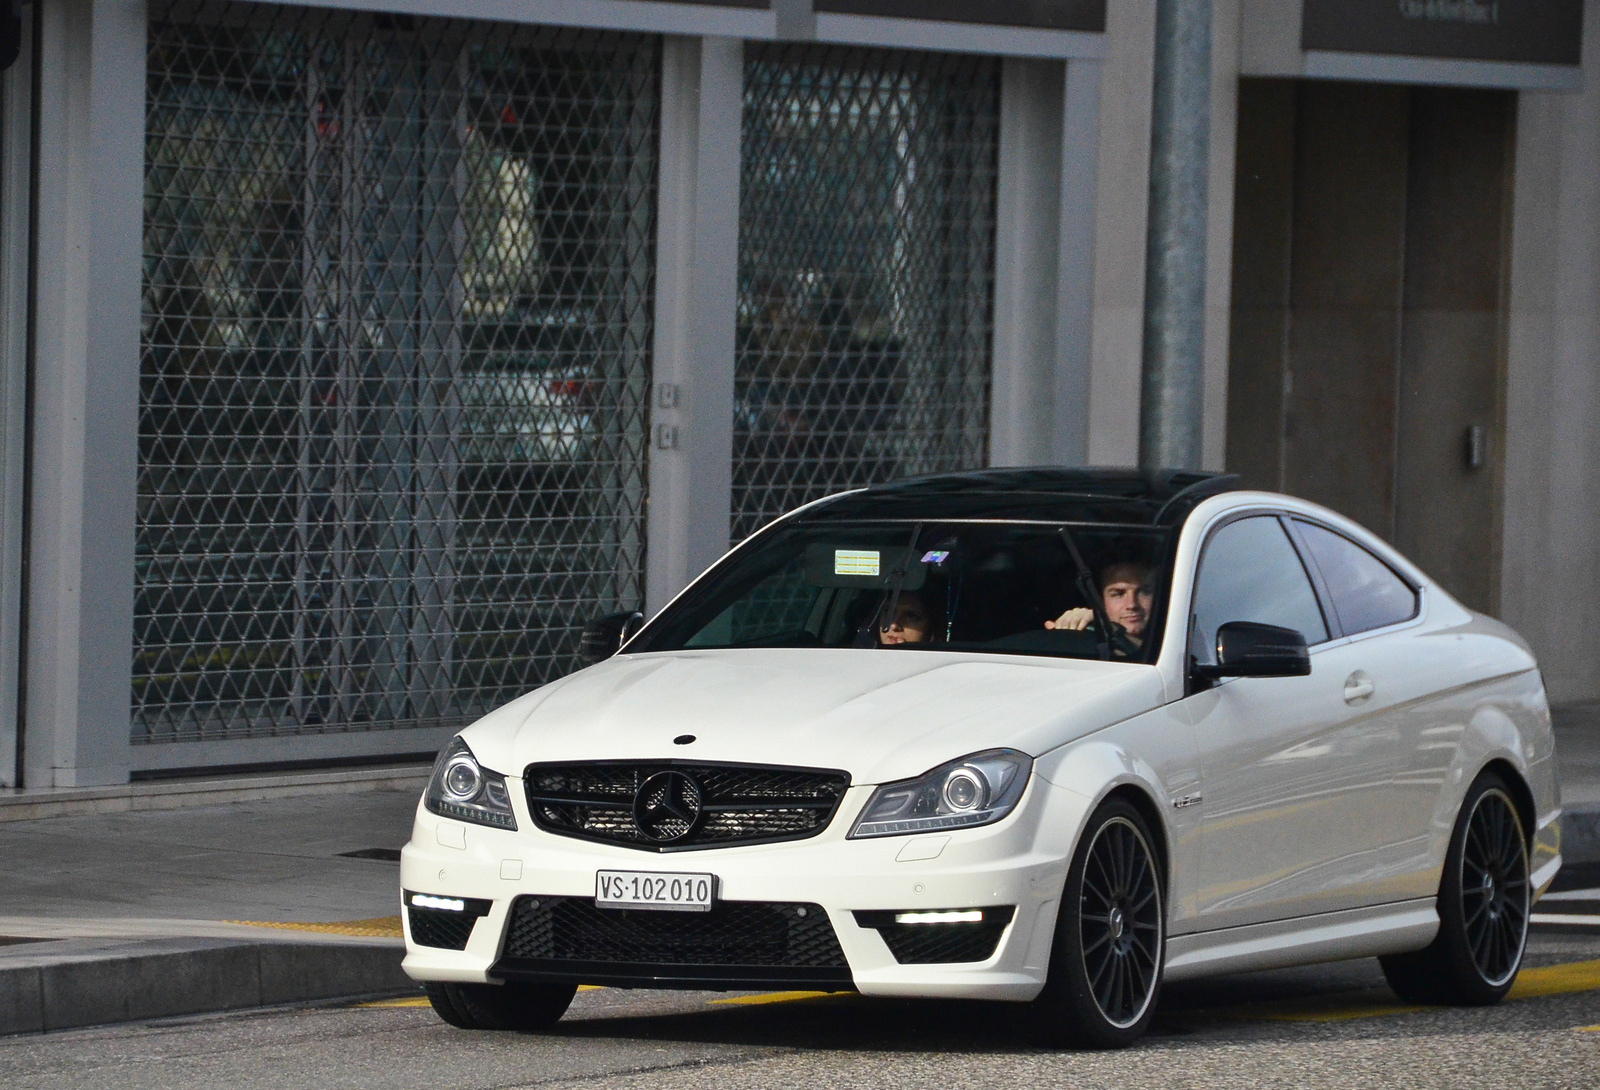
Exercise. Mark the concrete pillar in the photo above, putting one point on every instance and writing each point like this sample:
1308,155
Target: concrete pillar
1027,244
16,114
86,392
1550,566
1044,262
697,261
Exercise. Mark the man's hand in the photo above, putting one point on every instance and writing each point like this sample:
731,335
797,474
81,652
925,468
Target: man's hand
1073,620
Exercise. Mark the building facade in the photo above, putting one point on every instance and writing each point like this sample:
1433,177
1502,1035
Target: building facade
354,358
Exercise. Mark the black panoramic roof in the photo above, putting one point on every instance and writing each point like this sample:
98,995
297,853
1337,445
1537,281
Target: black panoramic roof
1136,496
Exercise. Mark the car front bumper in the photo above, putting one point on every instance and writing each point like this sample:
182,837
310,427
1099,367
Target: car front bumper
1020,861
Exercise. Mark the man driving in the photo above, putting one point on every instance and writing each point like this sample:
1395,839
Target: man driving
1128,596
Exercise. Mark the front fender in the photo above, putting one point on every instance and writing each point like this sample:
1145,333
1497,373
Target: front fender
1153,754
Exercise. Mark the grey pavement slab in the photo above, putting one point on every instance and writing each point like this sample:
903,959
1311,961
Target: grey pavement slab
134,905
268,860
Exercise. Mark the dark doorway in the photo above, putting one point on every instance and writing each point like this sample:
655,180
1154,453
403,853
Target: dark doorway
1371,231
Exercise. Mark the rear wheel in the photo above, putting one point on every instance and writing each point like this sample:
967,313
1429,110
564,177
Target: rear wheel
1483,908
501,1006
1105,965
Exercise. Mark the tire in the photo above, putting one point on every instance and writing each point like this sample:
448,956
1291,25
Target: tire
1484,901
528,1007
1110,941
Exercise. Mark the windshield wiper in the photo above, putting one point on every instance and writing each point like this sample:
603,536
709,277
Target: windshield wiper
1091,594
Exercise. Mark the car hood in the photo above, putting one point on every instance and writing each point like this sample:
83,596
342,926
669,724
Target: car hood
879,716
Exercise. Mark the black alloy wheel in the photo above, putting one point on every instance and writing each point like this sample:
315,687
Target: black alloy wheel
1484,901
1105,968
527,1007
1494,887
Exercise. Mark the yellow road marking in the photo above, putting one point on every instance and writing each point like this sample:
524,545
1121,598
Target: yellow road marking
774,997
383,927
1577,976
1589,1029
1569,979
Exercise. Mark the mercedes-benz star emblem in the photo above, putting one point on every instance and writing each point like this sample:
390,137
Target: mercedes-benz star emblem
666,808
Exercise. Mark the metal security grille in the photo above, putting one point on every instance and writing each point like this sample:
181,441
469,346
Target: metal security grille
397,314
866,255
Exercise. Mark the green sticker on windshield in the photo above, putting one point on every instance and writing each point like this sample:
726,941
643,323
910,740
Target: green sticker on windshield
855,562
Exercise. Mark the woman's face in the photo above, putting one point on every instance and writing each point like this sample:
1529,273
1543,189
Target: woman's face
909,623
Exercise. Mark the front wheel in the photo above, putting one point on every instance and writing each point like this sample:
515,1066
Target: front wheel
1484,900
1105,964
501,1006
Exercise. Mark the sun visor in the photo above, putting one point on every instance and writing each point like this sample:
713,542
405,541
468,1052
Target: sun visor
863,567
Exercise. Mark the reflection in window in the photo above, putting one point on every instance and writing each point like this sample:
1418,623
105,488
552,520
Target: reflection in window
1366,592
1251,572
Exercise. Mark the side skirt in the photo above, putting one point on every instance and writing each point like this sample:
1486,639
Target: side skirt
1331,936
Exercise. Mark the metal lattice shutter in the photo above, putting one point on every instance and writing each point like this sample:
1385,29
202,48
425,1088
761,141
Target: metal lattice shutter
397,314
866,256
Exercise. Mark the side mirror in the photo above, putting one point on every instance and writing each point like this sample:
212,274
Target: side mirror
1247,649
604,636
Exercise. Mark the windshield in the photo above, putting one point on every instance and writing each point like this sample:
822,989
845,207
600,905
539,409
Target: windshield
1075,591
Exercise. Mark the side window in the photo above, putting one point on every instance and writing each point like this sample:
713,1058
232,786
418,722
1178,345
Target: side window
1251,572
1366,592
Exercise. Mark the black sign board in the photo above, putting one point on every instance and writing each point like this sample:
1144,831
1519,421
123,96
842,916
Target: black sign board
1525,31
757,5
1045,14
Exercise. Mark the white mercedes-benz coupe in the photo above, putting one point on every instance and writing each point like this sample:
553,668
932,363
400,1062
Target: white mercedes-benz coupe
1044,736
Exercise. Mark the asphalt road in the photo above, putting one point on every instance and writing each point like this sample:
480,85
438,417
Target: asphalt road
1330,1026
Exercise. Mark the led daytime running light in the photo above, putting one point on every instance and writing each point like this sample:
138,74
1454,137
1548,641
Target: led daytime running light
971,915
444,904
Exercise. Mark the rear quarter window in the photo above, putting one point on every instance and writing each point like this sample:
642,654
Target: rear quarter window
1366,592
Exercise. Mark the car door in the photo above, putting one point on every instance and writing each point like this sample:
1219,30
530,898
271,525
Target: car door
1294,780
1392,681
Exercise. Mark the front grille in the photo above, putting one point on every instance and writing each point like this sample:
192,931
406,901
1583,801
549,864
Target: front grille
737,804
737,943
936,943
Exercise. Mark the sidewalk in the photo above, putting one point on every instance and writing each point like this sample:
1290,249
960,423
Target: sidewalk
156,900
1577,729
147,913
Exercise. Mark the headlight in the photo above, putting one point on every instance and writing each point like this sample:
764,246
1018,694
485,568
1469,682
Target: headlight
975,790
463,789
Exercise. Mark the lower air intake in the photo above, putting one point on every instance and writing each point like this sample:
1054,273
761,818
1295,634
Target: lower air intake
940,943
445,930
737,944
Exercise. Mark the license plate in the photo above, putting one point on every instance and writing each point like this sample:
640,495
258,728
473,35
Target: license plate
644,889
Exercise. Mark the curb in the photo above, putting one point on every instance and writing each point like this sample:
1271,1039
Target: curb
1580,834
97,982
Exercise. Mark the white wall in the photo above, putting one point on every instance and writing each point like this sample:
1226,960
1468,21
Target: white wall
1550,576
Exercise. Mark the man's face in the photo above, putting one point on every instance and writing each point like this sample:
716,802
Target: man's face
1129,597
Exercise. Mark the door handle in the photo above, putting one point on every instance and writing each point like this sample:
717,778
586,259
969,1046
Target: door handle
1358,687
